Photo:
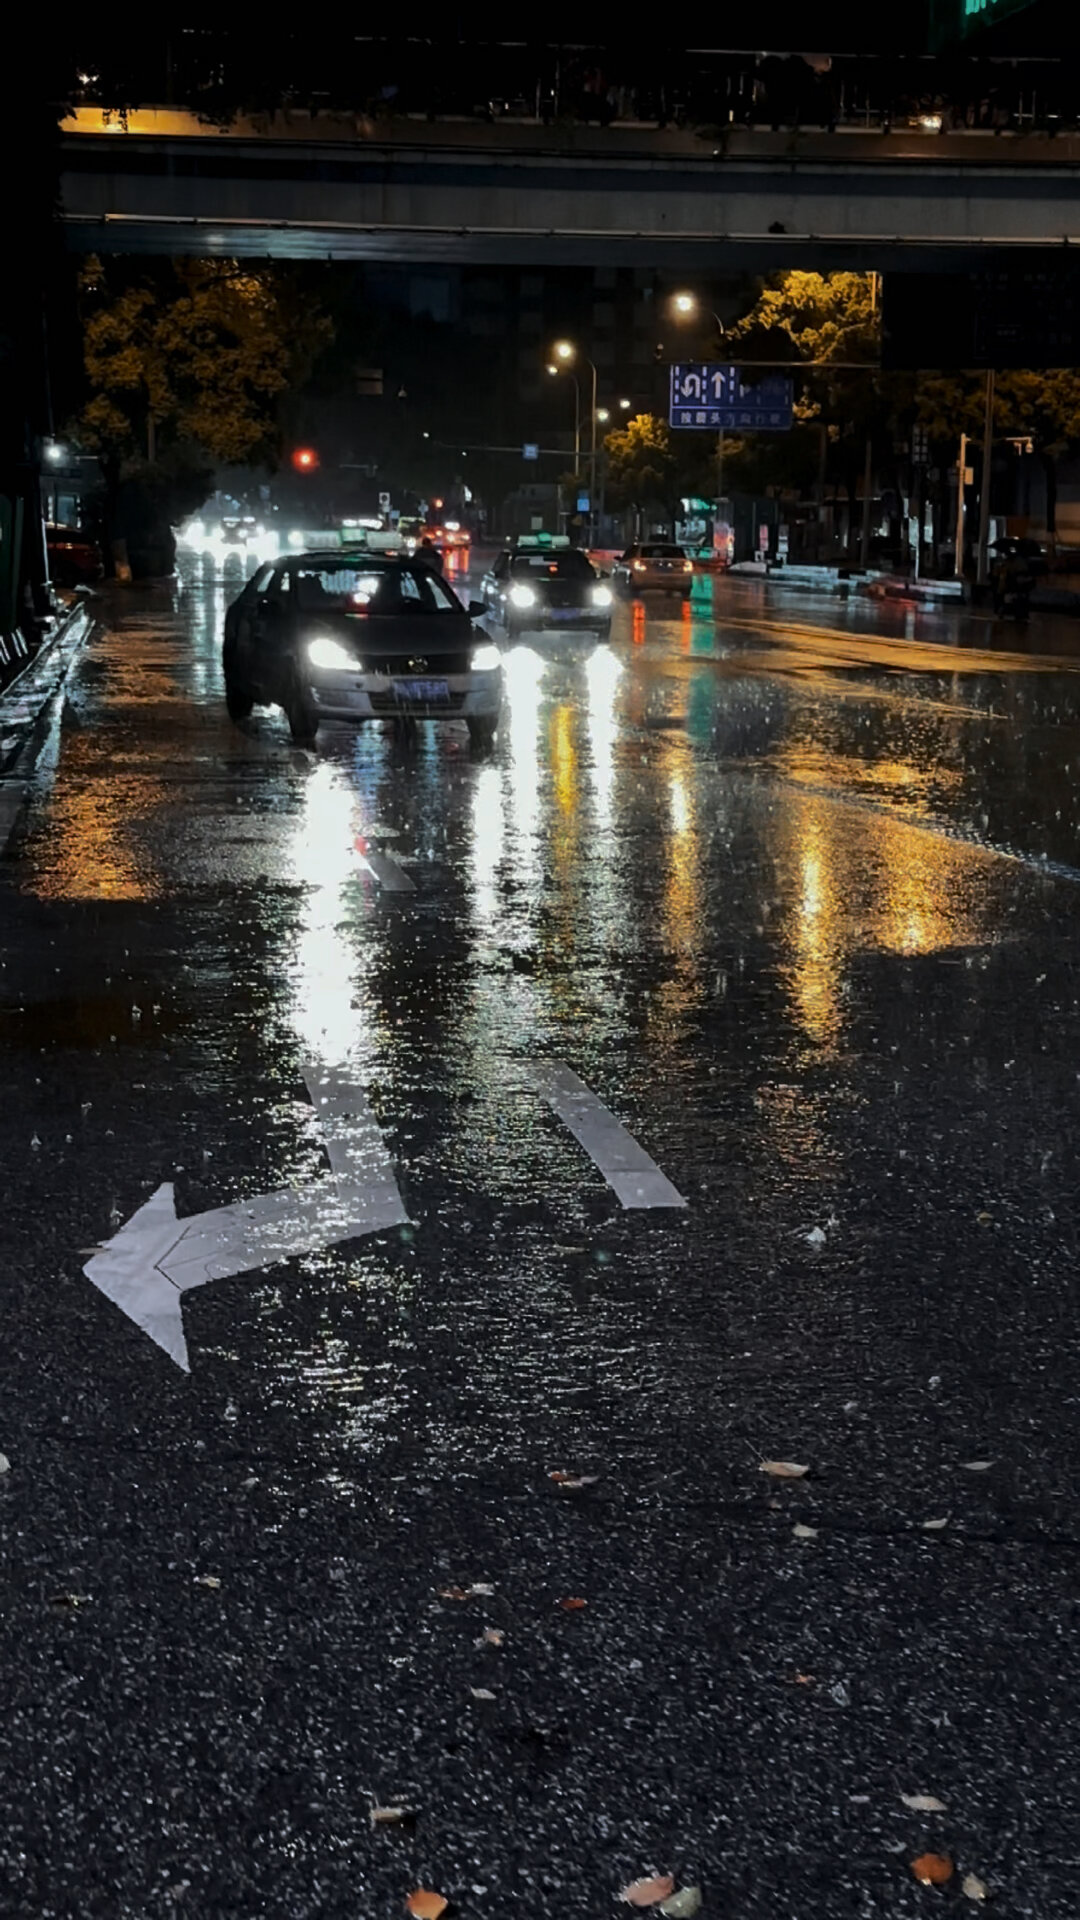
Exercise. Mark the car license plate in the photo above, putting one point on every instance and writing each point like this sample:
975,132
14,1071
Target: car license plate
422,691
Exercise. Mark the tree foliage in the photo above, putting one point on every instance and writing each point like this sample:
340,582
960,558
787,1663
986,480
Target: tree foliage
202,348
651,469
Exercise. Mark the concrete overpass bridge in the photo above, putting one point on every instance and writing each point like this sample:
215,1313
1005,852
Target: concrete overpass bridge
343,188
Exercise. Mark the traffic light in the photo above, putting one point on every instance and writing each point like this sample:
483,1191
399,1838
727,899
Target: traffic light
305,459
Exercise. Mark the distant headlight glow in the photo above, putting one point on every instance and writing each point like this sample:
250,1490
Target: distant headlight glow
486,659
331,654
296,539
601,596
523,596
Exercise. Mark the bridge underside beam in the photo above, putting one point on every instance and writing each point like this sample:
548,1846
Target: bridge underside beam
767,253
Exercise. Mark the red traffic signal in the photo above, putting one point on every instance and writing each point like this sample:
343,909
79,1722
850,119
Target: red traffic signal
305,459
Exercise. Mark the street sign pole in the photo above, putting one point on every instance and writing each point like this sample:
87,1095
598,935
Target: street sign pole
960,472
984,487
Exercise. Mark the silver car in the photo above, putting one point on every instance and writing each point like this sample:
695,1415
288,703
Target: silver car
354,637
654,566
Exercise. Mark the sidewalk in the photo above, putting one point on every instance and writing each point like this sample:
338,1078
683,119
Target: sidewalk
25,704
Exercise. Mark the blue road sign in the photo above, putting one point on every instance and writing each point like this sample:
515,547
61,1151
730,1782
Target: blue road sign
530,451
705,393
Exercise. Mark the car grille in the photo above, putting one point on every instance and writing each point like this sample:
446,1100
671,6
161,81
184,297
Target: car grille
414,666
389,703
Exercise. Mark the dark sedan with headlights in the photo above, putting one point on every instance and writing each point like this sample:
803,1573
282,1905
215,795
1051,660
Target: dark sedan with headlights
547,587
350,637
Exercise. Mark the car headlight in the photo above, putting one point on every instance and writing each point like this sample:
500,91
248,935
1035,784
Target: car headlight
486,659
523,596
688,566
639,566
601,596
296,538
330,653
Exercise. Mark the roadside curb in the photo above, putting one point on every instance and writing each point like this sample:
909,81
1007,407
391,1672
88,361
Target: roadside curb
25,705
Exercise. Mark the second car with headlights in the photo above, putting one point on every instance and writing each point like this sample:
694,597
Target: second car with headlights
655,566
352,637
547,587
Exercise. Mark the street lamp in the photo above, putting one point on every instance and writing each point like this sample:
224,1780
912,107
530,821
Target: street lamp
626,405
687,306
567,352
602,413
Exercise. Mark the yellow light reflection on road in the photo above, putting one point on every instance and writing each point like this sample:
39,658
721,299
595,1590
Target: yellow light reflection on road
865,881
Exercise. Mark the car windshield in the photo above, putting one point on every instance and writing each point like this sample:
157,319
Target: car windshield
364,588
661,552
557,566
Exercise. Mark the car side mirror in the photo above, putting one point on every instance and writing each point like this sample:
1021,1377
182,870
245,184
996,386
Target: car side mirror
476,608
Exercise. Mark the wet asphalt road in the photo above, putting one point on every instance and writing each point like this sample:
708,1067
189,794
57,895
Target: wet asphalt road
795,891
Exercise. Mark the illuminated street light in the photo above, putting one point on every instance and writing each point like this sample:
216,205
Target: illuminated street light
55,452
626,405
567,352
685,303
602,413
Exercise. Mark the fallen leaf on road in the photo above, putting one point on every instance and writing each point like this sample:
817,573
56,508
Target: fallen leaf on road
974,1888
68,1600
570,1482
491,1637
784,1469
804,1679
390,1816
976,1466
923,1803
574,1605
984,1219
804,1533
935,1526
481,1693
424,1905
5,1464
649,1893
207,1580
683,1904
478,1591
932,1869
815,1237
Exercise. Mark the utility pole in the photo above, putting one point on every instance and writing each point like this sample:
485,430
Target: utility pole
868,463
960,472
867,502
592,461
984,484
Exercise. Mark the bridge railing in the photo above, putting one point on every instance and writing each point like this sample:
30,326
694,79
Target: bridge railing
220,76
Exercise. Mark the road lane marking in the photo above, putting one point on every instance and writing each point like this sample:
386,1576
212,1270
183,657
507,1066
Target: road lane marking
391,877
627,1168
852,647
154,1259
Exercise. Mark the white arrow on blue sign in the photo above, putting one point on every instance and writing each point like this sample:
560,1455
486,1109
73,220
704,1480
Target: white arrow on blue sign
710,394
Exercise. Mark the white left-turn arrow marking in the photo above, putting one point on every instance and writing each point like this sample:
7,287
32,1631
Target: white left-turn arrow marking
155,1258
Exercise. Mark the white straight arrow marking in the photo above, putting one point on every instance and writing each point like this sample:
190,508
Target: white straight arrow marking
155,1258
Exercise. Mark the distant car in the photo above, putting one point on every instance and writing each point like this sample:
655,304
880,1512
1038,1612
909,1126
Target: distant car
654,565
547,587
74,559
355,637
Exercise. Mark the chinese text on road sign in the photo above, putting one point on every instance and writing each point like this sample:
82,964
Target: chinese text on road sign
707,394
